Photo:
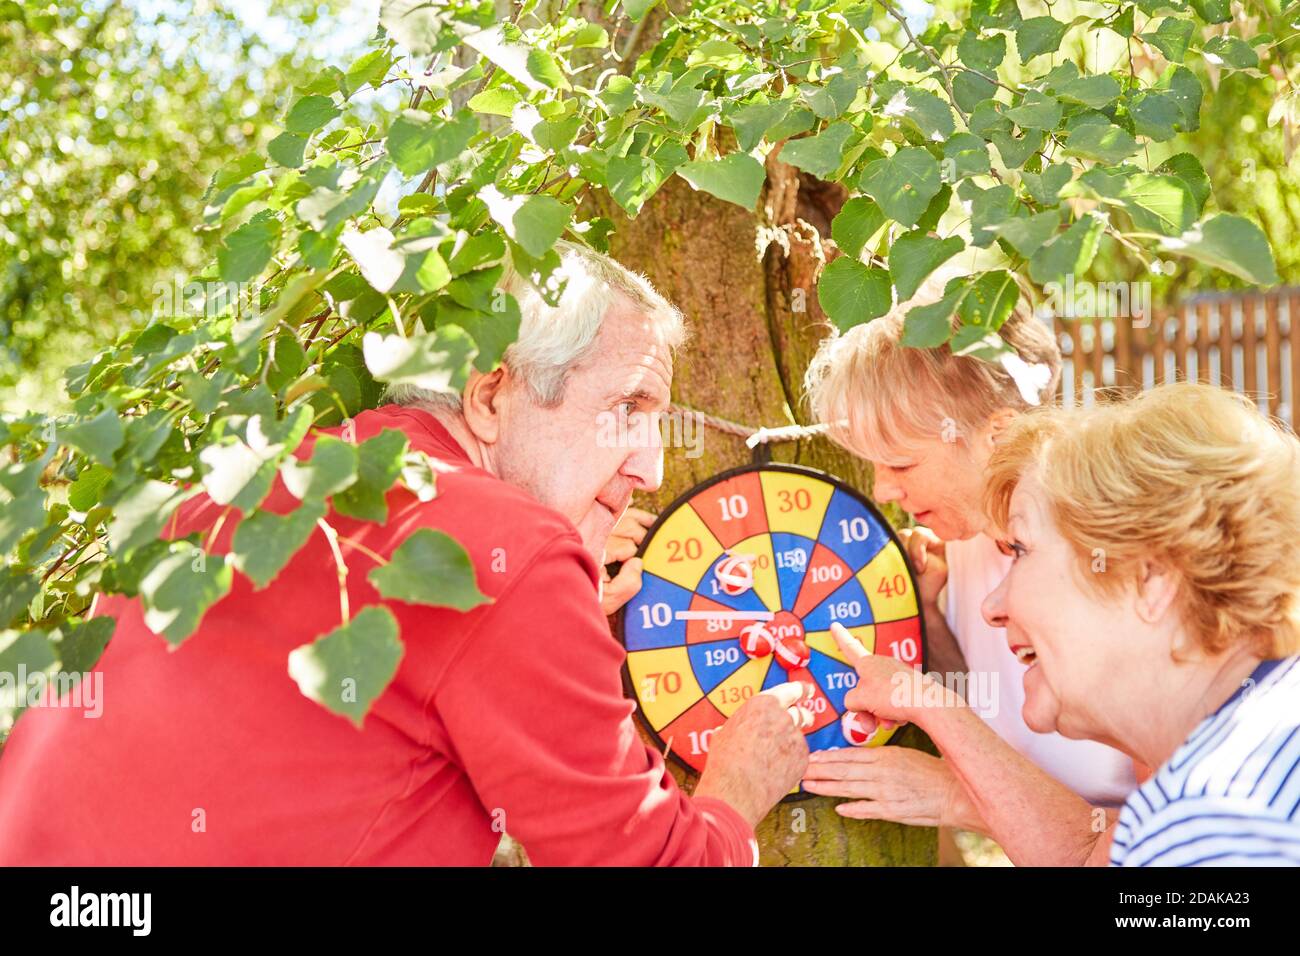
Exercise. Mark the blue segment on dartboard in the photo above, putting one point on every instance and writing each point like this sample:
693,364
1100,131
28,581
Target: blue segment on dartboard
776,674
747,601
847,605
646,623
832,735
851,531
789,571
715,661
835,677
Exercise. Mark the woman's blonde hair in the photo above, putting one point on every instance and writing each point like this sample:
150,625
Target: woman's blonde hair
1187,475
877,395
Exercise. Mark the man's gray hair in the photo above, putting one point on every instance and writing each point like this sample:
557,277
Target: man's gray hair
552,340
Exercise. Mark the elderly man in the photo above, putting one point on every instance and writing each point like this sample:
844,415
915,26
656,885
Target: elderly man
508,717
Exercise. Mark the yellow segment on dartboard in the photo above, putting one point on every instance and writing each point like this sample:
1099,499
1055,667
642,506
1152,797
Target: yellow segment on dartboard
765,583
731,693
682,549
888,586
795,503
664,682
824,641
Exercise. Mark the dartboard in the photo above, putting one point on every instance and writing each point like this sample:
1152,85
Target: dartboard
743,576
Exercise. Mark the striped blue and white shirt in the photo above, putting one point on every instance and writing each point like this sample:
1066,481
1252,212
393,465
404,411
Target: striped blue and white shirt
1230,795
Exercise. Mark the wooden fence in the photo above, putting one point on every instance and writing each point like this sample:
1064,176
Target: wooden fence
1246,341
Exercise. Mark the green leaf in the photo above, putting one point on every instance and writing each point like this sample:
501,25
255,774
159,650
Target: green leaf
379,464
930,326
1039,35
1015,152
632,180
737,178
533,67
332,467
1027,234
417,142
983,54
178,590
535,222
1172,38
819,155
637,9
373,252
930,114
1232,52
851,293
1189,169
85,492
1155,203
309,114
1095,92
248,249
498,101
287,149
1231,243
1045,187
346,670
989,300
1187,92
903,184
831,98
1036,111
326,208
1156,115
16,591
80,646
414,24
964,155
1104,142
914,255
1213,11
753,120
264,542
138,518
1069,253
29,652
430,567
439,361
368,69
857,221
97,438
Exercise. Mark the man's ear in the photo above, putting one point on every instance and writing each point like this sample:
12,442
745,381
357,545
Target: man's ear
482,403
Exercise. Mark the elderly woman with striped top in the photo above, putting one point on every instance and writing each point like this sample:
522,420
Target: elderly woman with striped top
1155,602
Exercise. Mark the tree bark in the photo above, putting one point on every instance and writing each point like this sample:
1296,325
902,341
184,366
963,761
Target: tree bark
747,285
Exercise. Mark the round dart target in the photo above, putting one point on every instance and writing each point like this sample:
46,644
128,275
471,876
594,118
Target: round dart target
742,577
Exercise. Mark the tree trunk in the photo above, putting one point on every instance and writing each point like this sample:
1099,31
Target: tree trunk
746,284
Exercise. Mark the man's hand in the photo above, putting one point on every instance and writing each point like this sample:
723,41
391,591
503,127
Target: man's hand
758,756
929,558
622,545
890,783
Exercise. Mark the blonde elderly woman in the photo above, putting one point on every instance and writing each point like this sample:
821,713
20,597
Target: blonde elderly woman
928,421
1154,600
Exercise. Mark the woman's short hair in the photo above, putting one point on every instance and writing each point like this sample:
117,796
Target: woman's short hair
553,339
877,395
1188,475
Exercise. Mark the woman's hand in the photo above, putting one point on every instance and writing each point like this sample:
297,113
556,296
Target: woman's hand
890,783
929,558
887,689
